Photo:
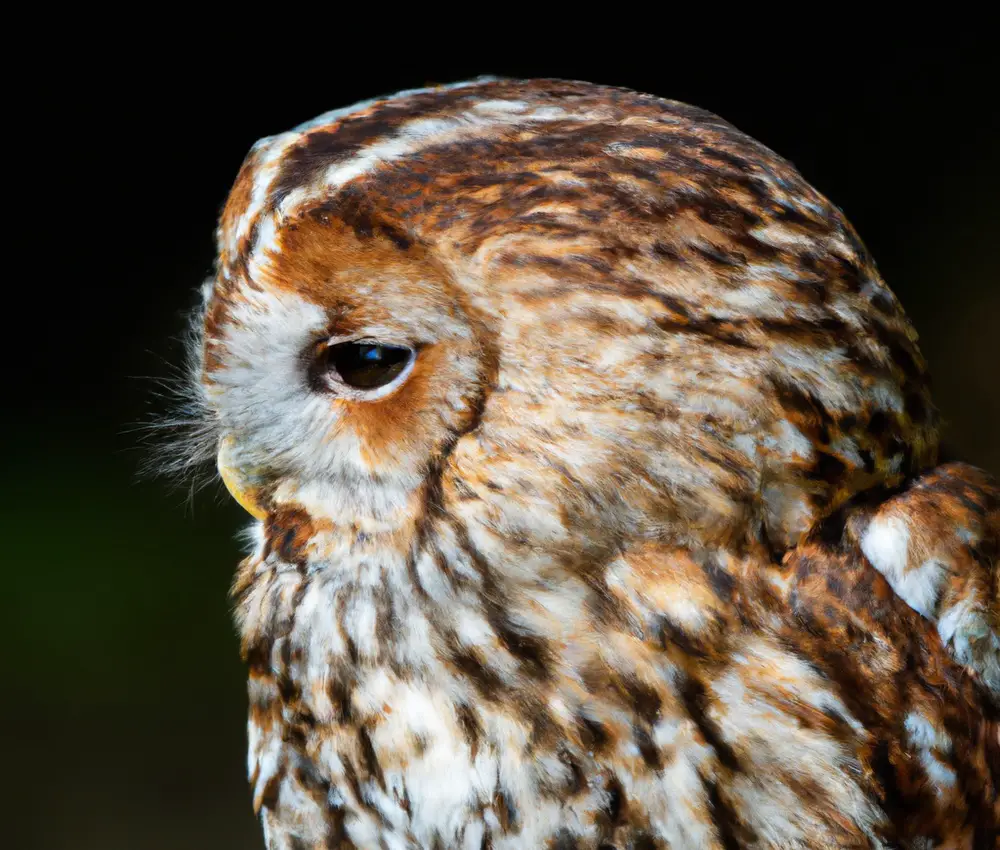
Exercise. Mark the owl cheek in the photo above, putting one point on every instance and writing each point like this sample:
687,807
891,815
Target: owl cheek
401,429
239,485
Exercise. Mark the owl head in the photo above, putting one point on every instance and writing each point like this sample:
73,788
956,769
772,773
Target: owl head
565,315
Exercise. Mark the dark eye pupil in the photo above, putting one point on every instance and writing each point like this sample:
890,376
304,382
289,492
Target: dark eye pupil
367,365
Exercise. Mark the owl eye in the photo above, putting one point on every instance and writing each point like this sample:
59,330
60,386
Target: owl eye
365,364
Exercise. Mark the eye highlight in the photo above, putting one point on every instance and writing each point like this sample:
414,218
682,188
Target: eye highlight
366,364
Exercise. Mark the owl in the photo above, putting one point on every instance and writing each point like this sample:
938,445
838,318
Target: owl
596,502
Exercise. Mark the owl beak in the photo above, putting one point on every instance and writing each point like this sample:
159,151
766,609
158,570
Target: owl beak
237,483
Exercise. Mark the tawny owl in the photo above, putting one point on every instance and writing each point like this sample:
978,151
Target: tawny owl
592,464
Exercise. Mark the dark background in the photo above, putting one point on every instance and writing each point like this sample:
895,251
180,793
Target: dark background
123,719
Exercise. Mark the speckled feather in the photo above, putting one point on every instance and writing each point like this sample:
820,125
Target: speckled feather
647,549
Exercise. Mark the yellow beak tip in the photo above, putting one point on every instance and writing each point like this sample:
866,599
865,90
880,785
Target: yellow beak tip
239,489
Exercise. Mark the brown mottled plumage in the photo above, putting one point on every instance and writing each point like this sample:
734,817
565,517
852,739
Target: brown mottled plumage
592,461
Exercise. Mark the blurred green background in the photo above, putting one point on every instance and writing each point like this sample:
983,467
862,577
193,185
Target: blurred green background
123,696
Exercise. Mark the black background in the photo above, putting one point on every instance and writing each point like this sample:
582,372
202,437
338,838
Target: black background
124,698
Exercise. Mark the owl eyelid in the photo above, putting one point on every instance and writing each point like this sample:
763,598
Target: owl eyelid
365,339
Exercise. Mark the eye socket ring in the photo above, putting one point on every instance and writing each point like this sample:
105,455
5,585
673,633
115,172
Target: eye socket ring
363,368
